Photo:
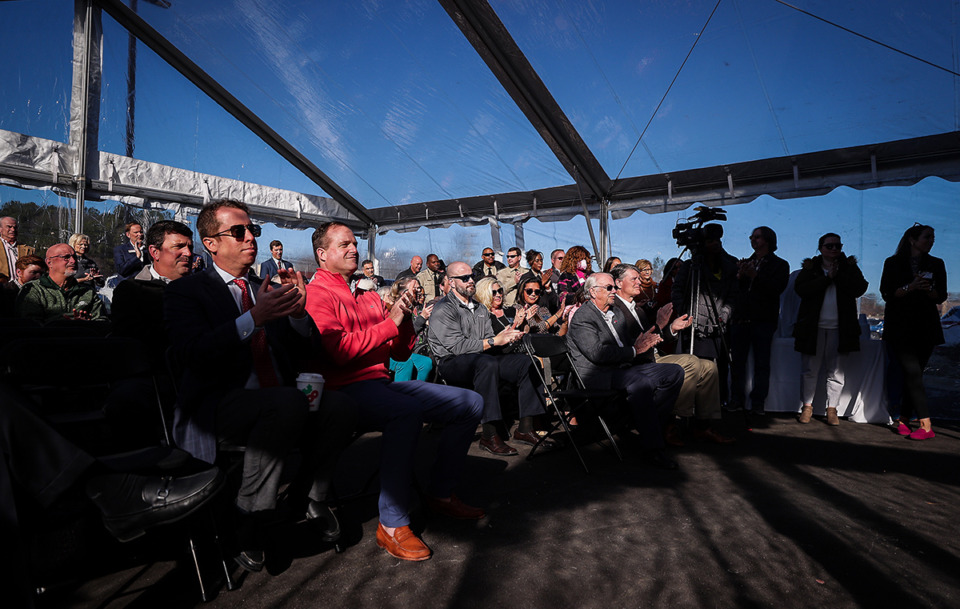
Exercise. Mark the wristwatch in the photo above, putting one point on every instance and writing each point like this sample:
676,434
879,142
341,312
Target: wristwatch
490,342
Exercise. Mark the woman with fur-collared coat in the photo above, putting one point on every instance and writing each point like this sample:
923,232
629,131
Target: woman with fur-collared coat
827,325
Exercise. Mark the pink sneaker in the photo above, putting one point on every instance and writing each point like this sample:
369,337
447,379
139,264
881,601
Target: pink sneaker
903,430
922,434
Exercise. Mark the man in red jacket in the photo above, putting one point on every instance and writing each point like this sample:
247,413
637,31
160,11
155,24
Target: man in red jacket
358,337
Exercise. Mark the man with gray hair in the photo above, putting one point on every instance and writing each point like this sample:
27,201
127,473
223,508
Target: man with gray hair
9,231
699,398
606,362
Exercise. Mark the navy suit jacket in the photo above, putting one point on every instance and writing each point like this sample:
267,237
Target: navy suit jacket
270,266
594,348
126,260
200,316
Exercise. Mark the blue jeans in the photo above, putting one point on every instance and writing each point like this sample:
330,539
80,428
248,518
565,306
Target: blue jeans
399,410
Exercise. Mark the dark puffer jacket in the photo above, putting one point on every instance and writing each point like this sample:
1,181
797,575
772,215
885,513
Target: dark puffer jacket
811,284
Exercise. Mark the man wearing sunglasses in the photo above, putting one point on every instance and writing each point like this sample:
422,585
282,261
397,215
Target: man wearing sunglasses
605,361
510,276
239,342
461,337
58,295
357,340
488,266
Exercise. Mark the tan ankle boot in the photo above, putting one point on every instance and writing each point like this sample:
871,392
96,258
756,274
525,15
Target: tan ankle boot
806,414
832,417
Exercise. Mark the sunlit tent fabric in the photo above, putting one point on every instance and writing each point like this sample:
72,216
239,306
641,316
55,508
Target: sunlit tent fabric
394,116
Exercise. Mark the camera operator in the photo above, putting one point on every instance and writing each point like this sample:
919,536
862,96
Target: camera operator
762,278
705,288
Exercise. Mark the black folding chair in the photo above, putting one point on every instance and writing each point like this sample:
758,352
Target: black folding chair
575,398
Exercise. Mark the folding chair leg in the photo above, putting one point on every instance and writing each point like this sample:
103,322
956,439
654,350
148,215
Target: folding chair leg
613,442
566,428
196,566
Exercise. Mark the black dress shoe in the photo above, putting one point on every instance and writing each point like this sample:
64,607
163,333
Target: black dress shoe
659,458
131,503
250,560
323,513
497,446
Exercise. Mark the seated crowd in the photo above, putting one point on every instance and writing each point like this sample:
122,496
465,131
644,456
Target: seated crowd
237,340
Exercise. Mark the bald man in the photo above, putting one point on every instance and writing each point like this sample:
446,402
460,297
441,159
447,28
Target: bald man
416,264
58,295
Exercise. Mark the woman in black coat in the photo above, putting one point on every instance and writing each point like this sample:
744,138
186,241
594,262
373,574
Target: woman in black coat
827,327
913,285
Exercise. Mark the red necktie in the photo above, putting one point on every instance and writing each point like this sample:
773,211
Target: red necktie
258,343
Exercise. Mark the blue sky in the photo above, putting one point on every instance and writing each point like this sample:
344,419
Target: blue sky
391,101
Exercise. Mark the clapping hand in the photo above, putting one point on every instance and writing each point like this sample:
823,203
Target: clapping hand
647,341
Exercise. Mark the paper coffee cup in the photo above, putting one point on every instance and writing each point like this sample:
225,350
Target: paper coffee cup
311,384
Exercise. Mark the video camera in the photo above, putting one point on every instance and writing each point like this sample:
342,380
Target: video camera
693,233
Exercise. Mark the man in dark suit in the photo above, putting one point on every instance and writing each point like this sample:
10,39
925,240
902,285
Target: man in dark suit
699,398
275,262
488,266
606,362
130,257
237,340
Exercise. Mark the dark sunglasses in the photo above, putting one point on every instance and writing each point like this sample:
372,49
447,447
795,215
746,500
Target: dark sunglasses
497,291
513,255
463,278
487,254
833,246
608,288
239,231
531,292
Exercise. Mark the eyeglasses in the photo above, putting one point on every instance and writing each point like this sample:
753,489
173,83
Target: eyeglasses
463,278
646,270
485,254
513,255
531,292
239,231
833,246
65,257
497,291
608,288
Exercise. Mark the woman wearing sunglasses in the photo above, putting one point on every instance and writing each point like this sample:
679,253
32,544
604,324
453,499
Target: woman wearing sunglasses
535,318
913,285
827,328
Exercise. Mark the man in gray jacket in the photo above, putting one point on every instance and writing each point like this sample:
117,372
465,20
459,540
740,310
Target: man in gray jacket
470,355
605,362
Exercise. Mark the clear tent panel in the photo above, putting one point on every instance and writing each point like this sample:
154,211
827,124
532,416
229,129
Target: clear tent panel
176,124
389,100
36,43
763,80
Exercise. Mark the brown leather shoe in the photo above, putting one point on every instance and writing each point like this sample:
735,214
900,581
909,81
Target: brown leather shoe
403,545
531,439
806,413
832,418
709,435
455,508
497,446
672,435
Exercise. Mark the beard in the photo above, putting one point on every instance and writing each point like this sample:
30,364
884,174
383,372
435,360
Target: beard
70,272
467,290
